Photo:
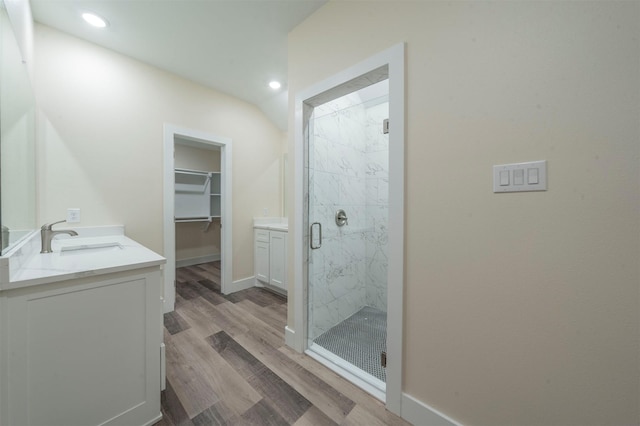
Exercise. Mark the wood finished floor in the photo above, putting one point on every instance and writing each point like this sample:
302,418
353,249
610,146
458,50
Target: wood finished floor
227,364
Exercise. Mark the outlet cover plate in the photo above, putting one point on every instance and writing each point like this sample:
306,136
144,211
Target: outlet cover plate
73,215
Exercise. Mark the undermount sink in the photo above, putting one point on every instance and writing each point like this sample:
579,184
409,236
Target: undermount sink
95,250
92,247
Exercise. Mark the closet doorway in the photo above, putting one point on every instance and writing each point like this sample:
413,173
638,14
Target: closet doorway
197,204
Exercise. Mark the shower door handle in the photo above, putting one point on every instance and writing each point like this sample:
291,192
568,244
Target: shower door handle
319,235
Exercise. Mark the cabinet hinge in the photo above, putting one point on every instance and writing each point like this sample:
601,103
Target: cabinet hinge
385,126
383,359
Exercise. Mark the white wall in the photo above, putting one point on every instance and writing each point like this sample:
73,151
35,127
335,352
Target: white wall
520,308
101,141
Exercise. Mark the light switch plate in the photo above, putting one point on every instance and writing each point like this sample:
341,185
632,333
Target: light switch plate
522,177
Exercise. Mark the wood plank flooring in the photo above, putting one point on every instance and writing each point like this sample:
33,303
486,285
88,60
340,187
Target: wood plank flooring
227,364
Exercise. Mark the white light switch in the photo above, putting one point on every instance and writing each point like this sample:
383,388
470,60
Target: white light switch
531,176
518,177
504,177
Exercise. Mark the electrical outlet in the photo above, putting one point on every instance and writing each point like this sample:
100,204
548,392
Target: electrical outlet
73,215
265,212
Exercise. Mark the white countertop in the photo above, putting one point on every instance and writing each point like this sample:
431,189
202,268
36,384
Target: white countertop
271,223
272,227
86,255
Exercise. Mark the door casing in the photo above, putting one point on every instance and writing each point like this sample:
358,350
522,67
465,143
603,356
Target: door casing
196,139
389,64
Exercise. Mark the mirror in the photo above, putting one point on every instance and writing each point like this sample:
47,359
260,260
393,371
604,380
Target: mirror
285,173
17,141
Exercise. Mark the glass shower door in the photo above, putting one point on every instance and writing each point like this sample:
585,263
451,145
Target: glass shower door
336,182
343,187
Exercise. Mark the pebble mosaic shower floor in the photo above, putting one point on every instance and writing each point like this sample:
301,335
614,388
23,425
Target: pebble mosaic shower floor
359,340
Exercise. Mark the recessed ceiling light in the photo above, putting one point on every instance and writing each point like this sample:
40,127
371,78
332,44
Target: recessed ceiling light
94,20
275,85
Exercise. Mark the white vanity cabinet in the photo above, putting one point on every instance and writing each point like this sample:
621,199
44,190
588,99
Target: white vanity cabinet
270,254
83,351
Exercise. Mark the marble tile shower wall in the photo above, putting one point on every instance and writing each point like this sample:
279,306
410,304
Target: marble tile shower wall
337,181
343,169
377,206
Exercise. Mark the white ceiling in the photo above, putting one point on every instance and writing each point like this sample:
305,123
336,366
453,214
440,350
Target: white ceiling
233,46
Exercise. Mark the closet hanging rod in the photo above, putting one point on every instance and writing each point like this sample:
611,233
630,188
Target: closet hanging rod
193,219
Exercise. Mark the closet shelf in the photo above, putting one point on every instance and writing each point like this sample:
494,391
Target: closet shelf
198,195
192,182
196,219
194,172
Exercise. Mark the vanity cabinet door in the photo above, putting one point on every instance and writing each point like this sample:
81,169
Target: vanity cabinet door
278,259
83,352
262,261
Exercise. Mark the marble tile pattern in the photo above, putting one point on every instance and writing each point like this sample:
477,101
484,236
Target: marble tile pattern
377,206
347,168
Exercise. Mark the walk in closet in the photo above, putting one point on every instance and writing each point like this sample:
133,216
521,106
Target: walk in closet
197,204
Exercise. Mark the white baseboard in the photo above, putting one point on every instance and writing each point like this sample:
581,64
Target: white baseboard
289,337
276,290
419,413
270,287
242,284
197,260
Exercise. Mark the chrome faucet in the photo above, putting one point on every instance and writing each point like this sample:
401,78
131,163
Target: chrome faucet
47,234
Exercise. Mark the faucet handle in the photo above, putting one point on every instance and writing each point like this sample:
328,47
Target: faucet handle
48,226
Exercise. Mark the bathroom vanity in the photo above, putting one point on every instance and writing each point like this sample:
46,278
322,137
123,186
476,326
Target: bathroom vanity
81,331
270,253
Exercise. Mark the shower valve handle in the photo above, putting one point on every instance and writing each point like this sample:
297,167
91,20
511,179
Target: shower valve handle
341,218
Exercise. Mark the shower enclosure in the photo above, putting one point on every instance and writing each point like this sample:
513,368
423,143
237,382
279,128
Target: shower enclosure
347,170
